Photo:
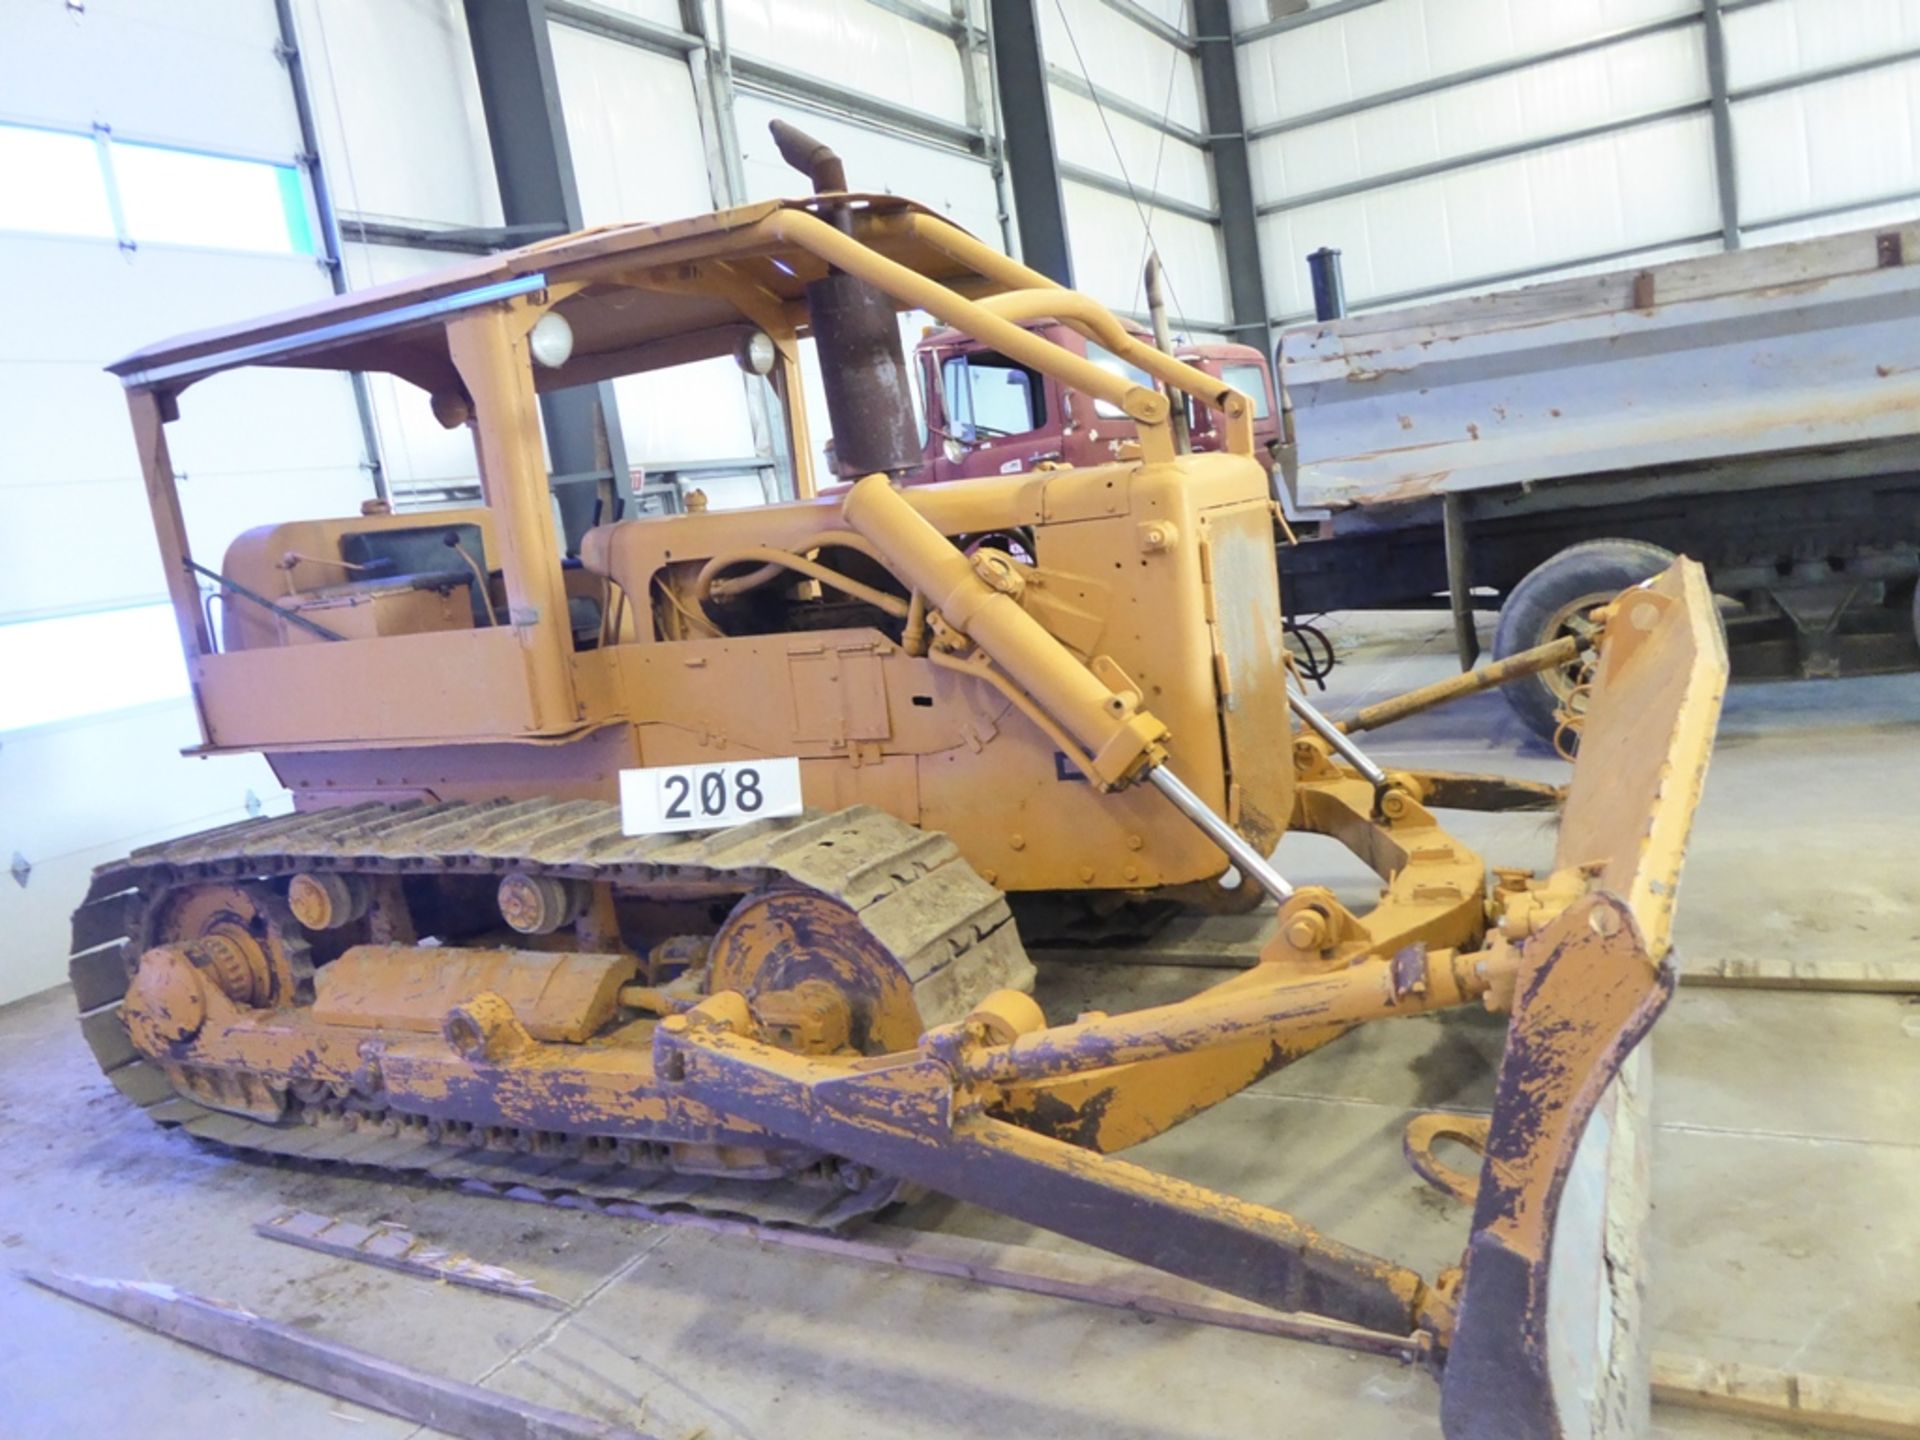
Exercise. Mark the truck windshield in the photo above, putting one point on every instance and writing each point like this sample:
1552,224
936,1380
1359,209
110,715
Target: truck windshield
1107,360
989,396
1253,381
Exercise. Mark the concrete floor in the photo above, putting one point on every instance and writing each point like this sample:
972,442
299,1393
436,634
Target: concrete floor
1786,1224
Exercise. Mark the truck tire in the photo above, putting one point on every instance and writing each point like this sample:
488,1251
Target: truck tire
1550,602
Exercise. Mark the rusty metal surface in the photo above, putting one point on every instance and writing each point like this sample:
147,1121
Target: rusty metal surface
845,1025
1593,978
951,932
559,996
1455,687
1588,992
1772,349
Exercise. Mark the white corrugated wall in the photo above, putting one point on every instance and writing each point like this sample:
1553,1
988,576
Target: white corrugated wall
93,704
1158,187
1586,128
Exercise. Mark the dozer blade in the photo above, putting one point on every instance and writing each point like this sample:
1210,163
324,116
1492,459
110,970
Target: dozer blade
1549,1343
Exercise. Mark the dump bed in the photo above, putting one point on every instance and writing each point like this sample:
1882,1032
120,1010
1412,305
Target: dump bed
1731,357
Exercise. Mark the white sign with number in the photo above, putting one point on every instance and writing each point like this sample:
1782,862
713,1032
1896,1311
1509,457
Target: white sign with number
665,798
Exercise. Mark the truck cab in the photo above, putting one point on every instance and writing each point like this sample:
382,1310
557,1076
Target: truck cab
987,414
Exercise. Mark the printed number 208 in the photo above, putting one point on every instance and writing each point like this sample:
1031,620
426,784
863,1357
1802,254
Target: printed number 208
711,795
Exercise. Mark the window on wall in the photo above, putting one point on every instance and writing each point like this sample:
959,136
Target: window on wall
60,183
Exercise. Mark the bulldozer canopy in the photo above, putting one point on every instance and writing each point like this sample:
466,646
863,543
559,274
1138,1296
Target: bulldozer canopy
651,295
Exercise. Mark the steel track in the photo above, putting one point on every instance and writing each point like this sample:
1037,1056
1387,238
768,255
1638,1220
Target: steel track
950,931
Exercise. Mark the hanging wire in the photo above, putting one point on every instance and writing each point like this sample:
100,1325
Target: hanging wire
1133,193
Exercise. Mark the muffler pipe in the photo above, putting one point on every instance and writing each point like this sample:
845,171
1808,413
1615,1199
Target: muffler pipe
863,366
812,158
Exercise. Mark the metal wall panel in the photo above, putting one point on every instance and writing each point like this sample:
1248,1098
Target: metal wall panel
1382,47
1373,115
1785,38
1542,209
957,185
1121,56
657,12
1658,72
1110,257
200,76
856,44
633,128
1157,162
1847,141
398,111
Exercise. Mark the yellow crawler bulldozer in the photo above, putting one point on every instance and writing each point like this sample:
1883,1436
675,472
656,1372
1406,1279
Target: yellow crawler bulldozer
679,872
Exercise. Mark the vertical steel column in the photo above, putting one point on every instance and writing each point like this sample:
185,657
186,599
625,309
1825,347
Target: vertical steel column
1724,178
1232,173
983,114
1032,162
711,68
329,225
513,58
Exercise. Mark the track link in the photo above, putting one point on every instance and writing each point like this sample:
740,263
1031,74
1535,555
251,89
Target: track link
950,931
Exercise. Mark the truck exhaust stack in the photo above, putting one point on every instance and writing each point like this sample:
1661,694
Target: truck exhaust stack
862,364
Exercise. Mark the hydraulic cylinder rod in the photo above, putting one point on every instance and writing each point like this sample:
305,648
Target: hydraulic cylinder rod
1119,737
1252,863
1337,738
1550,656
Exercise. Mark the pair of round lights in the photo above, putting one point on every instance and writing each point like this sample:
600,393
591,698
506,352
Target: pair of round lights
551,342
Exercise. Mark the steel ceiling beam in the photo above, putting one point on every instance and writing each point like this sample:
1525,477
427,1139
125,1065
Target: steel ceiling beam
1112,185
1152,24
1301,19
527,131
1491,70
1073,84
1033,164
1480,157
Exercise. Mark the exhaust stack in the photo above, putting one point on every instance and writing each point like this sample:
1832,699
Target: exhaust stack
862,363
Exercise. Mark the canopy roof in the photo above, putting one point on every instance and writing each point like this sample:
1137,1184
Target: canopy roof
655,294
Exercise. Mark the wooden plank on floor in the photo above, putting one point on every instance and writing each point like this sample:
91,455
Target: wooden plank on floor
395,1248
1829,1402
1892,974
450,1406
1089,1279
